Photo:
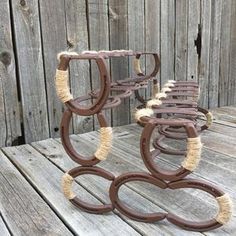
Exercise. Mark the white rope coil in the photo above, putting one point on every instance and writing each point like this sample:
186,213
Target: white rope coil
137,67
142,113
166,89
225,209
66,183
194,147
62,88
161,95
105,143
153,102
171,81
209,118
66,53
170,85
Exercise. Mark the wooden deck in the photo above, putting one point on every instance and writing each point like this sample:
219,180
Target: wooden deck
32,203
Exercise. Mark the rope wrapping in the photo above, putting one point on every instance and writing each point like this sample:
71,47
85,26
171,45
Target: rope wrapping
169,84
194,147
209,118
137,67
225,209
143,112
66,53
161,95
153,102
166,89
105,143
62,88
66,183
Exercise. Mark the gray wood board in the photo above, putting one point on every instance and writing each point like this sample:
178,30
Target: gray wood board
78,40
136,43
52,13
167,40
118,37
46,178
181,40
213,88
98,40
30,67
22,208
204,62
9,94
232,66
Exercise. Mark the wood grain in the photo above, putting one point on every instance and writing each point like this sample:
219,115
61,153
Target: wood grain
30,68
10,118
24,211
3,228
52,13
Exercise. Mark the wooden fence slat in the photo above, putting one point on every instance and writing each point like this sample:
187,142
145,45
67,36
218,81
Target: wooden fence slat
232,67
98,39
136,41
193,30
152,35
167,40
3,128
181,39
77,38
118,23
24,211
52,13
224,52
9,96
30,67
216,7
204,63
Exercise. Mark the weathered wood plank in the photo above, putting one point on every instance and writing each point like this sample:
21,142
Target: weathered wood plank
152,36
50,148
181,40
3,128
3,228
98,39
77,40
9,95
167,40
216,13
136,42
232,67
224,53
30,68
118,25
22,208
53,42
46,178
204,63
194,37
225,114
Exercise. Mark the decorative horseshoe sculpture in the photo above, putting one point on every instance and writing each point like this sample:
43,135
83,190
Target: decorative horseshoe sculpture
168,110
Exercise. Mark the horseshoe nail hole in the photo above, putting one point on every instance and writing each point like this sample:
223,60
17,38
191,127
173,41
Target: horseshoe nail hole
56,129
192,76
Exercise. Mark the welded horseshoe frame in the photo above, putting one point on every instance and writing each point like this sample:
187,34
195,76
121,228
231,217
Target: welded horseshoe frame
74,199
65,139
124,209
104,85
185,112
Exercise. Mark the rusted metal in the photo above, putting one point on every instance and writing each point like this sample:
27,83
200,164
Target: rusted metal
175,117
